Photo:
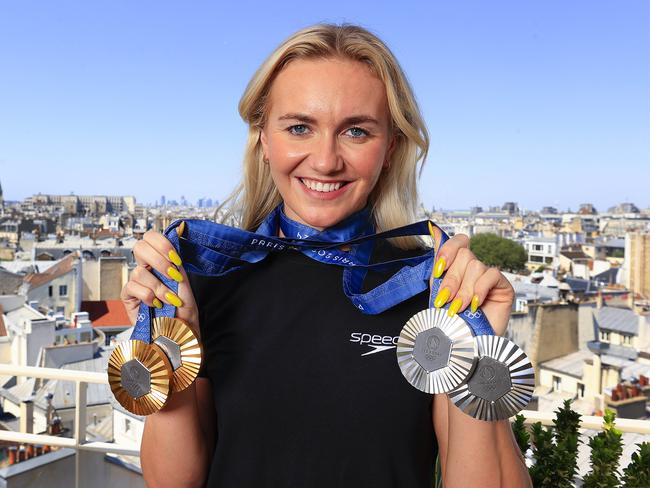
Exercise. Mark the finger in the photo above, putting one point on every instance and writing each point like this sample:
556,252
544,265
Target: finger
492,282
454,277
448,252
136,292
146,278
473,271
153,252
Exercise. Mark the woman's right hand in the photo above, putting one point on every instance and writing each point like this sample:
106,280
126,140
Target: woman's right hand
155,251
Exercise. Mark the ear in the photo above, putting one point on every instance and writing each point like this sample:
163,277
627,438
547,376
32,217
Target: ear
265,143
389,152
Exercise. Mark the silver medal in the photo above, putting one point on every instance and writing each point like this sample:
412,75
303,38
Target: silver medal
435,352
501,384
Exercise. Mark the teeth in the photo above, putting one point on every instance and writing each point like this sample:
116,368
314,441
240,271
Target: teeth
322,187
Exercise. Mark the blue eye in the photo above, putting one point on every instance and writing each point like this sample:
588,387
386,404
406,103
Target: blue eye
290,129
360,132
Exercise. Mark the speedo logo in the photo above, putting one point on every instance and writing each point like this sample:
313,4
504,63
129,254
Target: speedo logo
376,342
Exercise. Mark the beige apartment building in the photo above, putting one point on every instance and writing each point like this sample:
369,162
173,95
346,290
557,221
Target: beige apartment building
637,253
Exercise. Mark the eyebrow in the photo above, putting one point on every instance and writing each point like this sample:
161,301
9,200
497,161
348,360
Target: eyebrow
355,119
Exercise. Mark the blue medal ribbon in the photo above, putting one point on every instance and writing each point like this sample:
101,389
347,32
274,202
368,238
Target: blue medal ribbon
211,249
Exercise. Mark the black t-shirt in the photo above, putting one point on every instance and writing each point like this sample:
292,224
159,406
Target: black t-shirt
307,388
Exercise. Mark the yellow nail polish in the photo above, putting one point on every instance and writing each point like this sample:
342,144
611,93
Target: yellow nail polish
174,257
439,268
174,274
180,229
157,303
173,299
454,307
474,304
431,231
441,299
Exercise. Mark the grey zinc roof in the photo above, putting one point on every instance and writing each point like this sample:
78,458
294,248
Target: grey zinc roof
570,364
618,320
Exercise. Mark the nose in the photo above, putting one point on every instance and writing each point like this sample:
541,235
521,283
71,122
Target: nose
325,156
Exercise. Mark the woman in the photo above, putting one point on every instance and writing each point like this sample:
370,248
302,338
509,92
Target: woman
298,387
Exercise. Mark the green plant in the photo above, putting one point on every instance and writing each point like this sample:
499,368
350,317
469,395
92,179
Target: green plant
606,449
498,251
637,473
555,450
542,443
521,434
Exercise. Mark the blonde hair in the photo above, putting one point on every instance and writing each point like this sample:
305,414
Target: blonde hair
394,199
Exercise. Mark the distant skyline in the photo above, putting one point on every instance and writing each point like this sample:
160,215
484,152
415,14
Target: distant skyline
541,103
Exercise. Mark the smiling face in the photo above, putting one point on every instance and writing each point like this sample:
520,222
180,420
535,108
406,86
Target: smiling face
327,138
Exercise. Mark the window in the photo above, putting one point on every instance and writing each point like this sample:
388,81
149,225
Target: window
557,383
537,247
604,335
536,259
626,339
63,290
50,290
581,390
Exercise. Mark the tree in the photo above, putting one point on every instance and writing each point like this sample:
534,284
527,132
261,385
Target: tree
497,251
606,449
637,473
556,462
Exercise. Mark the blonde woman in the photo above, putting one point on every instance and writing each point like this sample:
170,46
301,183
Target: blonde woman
298,387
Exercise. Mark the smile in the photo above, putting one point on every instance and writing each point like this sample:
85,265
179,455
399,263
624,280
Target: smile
319,186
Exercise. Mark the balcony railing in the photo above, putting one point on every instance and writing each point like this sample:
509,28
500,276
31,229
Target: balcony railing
78,441
83,378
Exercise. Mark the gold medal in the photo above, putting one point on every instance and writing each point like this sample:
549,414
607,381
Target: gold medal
140,376
182,348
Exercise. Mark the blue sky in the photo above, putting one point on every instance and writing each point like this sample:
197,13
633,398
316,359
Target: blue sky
539,102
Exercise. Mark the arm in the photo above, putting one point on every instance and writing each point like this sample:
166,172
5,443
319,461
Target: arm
474,452
178,441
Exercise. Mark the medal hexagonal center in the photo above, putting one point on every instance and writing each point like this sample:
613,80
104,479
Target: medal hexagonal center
135,378
490,380
172,350
432,349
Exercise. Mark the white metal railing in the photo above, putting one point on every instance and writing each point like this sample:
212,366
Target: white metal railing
589,422
83,378
78,441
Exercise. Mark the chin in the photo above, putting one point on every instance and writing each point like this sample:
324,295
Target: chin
324,218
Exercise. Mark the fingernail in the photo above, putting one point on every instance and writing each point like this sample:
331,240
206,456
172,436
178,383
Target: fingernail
174,274
474,304
454,307
431,231
441,299
180,229
174,257
439,267
157,303
173,299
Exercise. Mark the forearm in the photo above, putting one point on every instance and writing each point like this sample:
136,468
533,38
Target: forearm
481,453
174,452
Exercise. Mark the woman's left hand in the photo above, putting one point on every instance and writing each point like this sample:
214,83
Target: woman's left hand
470,283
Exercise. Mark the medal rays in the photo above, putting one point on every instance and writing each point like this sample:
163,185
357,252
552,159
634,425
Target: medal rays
182,348
436,352
488,377
143,375
140,376
502,383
